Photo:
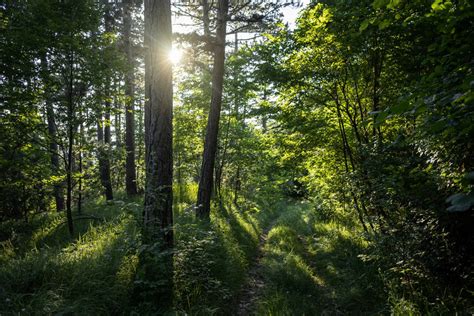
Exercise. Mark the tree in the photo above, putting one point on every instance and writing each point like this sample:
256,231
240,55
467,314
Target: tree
103,126
158,213
157,261
52,133
203,206
130,168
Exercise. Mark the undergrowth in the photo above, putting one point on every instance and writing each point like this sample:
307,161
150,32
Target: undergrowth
211,259
312,264
86,274
45,271
312,267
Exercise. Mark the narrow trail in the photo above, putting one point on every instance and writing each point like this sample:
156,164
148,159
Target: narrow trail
255,283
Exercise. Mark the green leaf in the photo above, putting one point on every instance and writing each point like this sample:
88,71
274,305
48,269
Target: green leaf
378,4
384,24
438,5
402,107
380,117
394,4
364,25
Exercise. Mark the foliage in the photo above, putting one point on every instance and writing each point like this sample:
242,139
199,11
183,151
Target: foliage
373,110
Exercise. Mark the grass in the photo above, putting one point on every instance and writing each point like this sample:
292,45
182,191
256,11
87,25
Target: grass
52,272
43,270
310,264
312,267
211,260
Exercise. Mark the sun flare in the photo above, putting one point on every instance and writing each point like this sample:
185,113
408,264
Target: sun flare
175,55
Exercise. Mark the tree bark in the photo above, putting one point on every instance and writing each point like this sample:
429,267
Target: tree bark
203,206
130,168
205,18
79,193
158,209
158,215
104,163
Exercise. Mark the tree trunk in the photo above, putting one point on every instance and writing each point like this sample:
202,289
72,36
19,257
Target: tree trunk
377,61
52,133
158,210
205,18
103,133
104,164
159,117
70,154
79,193
117,177
107,143
140,156
203,206
130,168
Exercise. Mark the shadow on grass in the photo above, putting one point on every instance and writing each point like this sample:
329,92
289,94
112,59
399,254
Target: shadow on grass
317,272
91,273
239,228
209,262
211,259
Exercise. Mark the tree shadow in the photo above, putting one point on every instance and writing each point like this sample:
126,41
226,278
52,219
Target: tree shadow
91,274
234,226
319,272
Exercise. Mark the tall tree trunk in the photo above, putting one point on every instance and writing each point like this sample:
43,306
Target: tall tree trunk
107,143
104,164
158,210
140,155
377,61
103,132
70,154
79,193
205,18
130,168
210,146
52,133
159,117
118,114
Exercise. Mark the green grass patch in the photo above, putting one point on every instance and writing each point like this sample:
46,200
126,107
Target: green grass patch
312,267
43,270
212,259
90,273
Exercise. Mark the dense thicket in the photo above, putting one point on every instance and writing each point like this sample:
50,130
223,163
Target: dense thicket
375,108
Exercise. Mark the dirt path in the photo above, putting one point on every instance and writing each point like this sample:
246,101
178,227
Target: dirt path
254,285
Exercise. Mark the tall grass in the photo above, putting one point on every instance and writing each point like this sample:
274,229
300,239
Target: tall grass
311,266
87,274
211,259
43,270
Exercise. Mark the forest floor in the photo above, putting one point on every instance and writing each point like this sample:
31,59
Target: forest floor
254,282
272,259
307,266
